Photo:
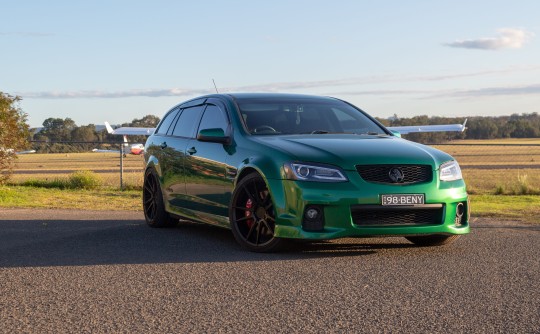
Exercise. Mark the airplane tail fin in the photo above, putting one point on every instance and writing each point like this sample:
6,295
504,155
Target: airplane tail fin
463,129
109,127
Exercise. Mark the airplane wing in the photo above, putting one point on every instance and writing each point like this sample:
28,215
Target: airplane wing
128,131
428,128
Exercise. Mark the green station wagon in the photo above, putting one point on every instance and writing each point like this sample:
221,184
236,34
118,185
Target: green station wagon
273,167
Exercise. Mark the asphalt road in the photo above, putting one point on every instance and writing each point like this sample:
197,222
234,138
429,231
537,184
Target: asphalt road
81,271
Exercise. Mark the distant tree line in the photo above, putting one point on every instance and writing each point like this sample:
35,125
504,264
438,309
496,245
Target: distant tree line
57,135
514,126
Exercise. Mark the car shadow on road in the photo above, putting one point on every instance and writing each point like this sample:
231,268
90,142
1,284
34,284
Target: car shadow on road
35,243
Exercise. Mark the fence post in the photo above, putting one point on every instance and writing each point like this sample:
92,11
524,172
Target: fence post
121,167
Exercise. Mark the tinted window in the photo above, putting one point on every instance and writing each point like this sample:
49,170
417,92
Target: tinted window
166,123
187,122
213,118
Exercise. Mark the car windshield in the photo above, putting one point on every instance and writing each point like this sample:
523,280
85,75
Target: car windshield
274,116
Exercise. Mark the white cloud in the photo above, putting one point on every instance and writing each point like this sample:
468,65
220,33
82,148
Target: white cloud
118,94
533,89
283,86
496,91
507,38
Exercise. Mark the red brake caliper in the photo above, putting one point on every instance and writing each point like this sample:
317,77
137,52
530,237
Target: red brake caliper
249,205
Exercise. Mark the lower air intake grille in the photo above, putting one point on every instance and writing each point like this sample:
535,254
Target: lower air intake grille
377,215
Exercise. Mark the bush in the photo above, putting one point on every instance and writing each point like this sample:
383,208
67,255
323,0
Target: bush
84,180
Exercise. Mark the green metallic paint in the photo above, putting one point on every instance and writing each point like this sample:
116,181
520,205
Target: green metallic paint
198,186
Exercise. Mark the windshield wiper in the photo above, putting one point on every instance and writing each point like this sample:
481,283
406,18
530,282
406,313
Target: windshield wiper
318,132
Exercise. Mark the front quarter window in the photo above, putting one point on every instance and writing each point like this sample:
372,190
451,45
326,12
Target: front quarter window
213,118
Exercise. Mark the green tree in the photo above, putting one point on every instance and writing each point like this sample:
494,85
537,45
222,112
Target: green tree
84,133
14,133
148,121
57,129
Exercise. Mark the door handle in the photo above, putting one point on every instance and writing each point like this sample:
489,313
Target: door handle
192,151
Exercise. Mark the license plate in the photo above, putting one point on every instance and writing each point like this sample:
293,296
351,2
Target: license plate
403,199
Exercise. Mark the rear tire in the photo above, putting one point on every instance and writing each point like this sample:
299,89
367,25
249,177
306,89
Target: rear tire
153,205
433,240
252,215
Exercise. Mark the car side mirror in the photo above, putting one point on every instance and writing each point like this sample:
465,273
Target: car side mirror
396,133
215,135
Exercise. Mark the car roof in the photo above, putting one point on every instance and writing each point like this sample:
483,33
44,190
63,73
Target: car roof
277,96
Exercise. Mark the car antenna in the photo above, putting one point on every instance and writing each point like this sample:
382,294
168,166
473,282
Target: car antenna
215,86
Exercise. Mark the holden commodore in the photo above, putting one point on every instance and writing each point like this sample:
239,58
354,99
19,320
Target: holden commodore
273,167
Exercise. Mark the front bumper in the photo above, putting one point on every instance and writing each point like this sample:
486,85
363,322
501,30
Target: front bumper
340,203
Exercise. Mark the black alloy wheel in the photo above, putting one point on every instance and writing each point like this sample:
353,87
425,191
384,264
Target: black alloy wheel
252,215
153,206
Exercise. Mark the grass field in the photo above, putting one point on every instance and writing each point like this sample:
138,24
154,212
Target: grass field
490,169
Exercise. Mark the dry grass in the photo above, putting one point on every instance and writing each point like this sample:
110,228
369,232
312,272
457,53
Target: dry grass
502,181
471,155
522,141
76,161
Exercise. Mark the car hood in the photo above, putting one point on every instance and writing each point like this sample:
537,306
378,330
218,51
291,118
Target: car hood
348,150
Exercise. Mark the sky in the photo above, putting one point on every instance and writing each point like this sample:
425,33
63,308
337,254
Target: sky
96,61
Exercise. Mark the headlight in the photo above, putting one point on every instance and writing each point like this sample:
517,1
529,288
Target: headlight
311,172
450,171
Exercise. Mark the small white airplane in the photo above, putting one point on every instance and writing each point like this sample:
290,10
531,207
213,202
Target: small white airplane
137,148
11,151
428,128
26,152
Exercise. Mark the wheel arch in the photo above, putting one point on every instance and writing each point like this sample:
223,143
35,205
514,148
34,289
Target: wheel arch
246,171
153,163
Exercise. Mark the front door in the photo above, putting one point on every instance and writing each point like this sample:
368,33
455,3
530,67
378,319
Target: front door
208,188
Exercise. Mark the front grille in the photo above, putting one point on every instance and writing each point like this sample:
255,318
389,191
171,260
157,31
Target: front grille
381,173
378,215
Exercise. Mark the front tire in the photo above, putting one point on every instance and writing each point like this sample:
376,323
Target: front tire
252,215
433,240
153,206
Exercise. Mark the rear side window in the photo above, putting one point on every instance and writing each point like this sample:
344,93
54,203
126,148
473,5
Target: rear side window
166,123
187,122
213,118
